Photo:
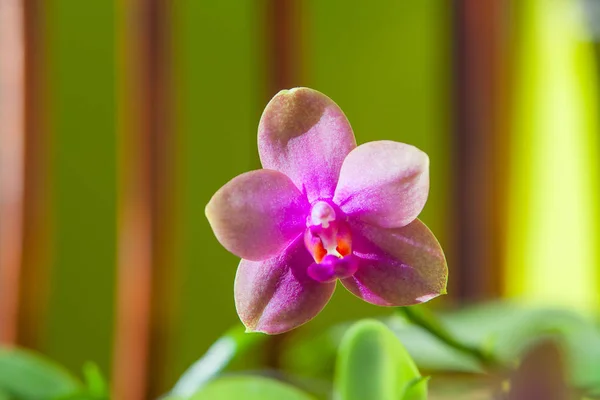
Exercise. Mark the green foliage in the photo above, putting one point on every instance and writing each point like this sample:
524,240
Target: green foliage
508,330
27,376
364,360
429,352
4,396
372,363
95,382
249,388
313,355
81,396
422,317
487,338
416,389
231,345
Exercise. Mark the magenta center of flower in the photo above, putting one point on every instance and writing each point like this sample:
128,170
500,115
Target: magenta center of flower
329,241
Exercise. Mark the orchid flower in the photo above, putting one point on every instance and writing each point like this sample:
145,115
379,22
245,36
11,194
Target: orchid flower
322,210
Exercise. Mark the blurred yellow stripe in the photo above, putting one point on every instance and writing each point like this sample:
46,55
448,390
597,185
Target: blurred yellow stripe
553,227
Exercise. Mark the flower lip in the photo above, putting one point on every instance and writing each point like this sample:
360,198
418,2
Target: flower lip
332,268
329,240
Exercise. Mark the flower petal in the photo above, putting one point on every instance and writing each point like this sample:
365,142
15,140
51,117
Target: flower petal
277,295
257,214
399,267
305,135
384,183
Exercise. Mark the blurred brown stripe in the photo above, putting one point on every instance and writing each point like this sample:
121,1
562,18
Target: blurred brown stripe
283,35
161,84
36,240
480,137
12,141
284,56
134,213
145,190
23,160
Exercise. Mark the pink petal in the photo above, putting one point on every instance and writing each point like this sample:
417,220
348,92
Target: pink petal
277,295
384,183
257,214
305,135
399,267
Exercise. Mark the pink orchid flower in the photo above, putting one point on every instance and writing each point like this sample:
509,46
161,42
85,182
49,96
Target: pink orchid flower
323,209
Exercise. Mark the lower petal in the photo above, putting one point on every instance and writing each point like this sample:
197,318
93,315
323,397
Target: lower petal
398,267
277,295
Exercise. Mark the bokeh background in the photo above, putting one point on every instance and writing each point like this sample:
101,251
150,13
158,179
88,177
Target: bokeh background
120,118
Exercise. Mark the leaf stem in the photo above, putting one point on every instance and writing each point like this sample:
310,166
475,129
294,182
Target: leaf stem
427,320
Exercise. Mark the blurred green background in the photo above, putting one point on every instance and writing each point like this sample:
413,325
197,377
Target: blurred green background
139,110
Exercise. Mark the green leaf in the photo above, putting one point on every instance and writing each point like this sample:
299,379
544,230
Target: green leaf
313,355
502,331
249,388
217,358
417,389
95,388
81,396
373,364
96,384
28,376
508,330
429,352
427,320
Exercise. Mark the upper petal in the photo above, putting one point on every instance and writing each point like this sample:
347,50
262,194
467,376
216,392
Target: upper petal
277,295
257,214
305,135
384,183
399,267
